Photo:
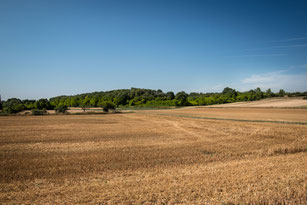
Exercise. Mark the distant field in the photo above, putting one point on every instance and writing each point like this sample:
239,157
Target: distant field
248,114
181,156
271,102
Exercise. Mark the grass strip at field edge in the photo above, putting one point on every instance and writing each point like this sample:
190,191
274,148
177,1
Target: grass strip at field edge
238,120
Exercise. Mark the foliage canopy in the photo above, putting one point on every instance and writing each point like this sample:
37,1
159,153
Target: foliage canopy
138,97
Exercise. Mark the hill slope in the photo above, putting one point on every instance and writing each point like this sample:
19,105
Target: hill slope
270,102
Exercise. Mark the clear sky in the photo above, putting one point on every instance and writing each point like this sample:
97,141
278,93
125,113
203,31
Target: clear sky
51,48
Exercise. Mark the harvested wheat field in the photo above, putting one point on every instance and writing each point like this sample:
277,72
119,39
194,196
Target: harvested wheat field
276,115
281,102
180,156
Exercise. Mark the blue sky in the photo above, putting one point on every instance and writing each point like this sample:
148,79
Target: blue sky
50,48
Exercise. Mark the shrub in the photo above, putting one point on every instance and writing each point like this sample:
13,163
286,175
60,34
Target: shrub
39,112
61,109
3,114
108,106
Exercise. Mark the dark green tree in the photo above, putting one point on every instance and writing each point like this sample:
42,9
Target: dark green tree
74,102
86,101
229,92
43,103
170,95
61,109
268,93
121,99
258,94
181,97
108,105
13,105
281,93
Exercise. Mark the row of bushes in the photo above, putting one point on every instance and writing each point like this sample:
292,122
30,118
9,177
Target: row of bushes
13,107
58,109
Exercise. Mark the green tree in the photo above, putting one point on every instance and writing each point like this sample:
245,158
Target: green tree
29,104
86,101
42,103
93,102
67,102
181,97
13,105
121,99
281,93
229,92
258,93
170,95
61,109
268,93
108,105
74,102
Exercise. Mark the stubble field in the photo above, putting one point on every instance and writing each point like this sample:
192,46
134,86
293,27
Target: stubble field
180,156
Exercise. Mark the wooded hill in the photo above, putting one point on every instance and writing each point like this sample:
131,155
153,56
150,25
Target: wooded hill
141,98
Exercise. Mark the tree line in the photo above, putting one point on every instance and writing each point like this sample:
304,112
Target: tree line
137,97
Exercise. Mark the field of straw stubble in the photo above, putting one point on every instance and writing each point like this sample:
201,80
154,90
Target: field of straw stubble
180,156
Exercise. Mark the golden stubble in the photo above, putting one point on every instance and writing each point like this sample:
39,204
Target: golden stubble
149,158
